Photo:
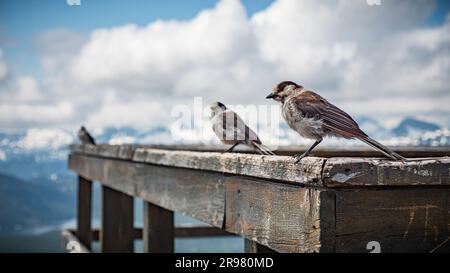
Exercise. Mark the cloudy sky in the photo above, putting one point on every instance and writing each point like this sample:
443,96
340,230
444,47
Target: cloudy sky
116,64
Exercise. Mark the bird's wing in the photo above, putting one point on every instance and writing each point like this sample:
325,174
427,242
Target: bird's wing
90,138
311,105
233,124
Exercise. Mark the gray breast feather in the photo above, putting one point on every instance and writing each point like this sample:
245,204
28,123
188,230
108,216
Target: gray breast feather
307,127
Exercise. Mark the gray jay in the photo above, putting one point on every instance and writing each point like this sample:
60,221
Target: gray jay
231,129
313,117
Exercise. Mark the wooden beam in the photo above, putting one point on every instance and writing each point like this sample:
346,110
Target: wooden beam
285,218
408,220
196,193
343,172
349,203
311,171
126,151
253,247
117,222
84,212
158,232
308,171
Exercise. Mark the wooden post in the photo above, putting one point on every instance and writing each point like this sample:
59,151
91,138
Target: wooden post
158,233
84,212
117,231
253,247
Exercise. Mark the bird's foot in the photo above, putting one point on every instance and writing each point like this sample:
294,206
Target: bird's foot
299,157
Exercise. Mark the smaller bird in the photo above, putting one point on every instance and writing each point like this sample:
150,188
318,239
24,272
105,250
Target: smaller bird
85,137
313,117
231,129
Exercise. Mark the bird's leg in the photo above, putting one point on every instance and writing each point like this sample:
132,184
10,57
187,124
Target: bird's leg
300,156
231,148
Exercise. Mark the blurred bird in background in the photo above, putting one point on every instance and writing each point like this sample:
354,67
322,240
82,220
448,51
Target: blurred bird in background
231,129
313,117
85,137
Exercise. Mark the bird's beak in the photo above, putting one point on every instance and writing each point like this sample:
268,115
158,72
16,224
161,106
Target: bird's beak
270,96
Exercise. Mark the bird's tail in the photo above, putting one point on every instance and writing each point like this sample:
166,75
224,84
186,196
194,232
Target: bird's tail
385,150
262,149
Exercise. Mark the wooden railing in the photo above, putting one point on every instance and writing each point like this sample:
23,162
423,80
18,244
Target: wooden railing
330,203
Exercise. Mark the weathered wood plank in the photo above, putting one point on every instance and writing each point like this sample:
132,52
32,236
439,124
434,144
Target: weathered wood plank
192,192
407,220
340,172
72,244
321,151
253,247
271,167
158,232
108,172
285,218
84,212
117,222
198,194
313,171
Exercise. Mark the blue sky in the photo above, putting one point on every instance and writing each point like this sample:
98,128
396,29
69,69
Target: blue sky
22,20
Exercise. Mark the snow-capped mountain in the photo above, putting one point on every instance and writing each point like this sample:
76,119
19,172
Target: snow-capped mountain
49,146
412,126
415,132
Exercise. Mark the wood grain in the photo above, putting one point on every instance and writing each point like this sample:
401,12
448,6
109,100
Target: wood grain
271,167
341,172
311,171
117,231
285,218
253,247
84,212
409,220
191,192
321,151
194,193
320,205
158,232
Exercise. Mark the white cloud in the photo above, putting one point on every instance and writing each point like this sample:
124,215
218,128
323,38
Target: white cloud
122,139
140,114
2,155
17,115
378,61
45,139
22,89
57,47
171,57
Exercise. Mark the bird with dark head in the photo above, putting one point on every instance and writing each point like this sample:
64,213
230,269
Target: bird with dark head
232,130
85,137
282,90
313,117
